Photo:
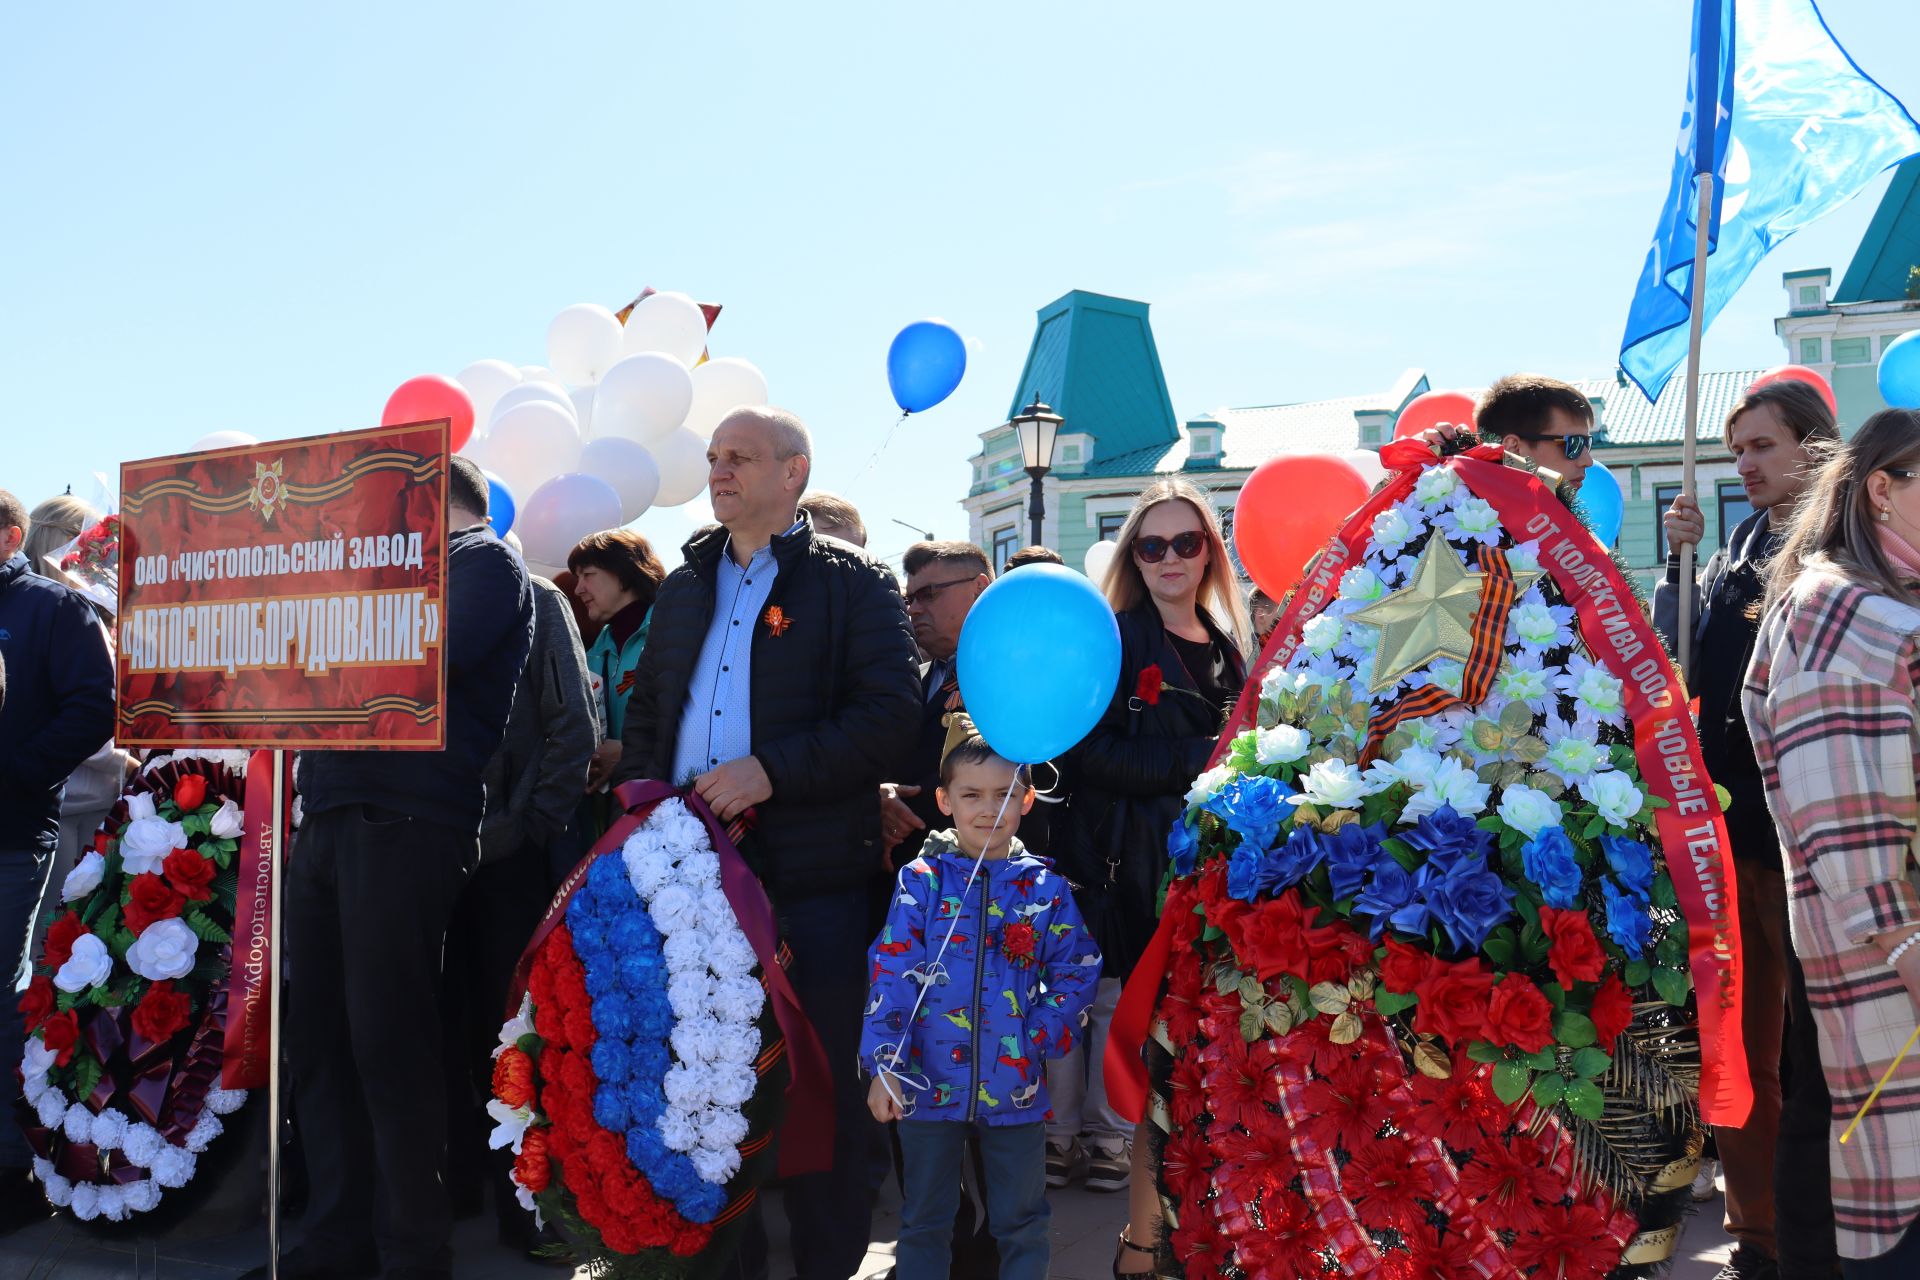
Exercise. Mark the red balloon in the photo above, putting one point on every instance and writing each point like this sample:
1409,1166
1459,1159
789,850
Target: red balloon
1800,373
428,398
1432,409
1287,510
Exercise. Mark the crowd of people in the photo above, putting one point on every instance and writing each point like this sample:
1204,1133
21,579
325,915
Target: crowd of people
812,699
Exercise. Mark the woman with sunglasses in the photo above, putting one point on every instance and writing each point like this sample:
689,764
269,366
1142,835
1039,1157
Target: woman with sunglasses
1183,631
1831,699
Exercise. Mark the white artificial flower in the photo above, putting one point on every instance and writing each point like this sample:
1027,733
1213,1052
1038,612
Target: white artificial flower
1435,486
649,867
1416,765
89,965
688,993
1476,521
674,908
1614,795
37,1059
227,822
1361,583
527,1202
140,805
1393,529
1539,625
144,1144
142,1196
1282,744
165,949
732,955
1447,674
733,1086
147,842
1528,811
204,1131
1453,784
520,1024
726,1129
1527,684
676,1130
509,1125
738,999
113,1204
1573,756
1595,691
78,1124
686,1087
1524,558
1437,733
1208,784
86,1201
85,876
1334,783
224,1102
1277,681
51,1109
109,1129
1321,633
173,1167
716,1165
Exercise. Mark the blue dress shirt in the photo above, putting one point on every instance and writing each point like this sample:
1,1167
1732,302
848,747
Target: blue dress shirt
716,725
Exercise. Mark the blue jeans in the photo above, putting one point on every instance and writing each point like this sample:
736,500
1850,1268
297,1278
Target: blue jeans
23,872
1015,1157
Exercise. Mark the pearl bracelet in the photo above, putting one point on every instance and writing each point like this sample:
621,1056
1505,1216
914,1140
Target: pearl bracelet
1893,956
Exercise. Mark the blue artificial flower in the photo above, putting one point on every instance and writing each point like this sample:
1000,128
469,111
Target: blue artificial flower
1549,862
1393,896
1255,806
1444,835
1466,899
1251,871
1628,922
1350,854
1631,863
1183,847
610,1106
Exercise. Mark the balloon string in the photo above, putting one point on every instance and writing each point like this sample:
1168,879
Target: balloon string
904,414
887,1072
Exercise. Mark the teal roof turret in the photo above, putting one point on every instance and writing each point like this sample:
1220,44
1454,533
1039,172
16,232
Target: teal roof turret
1093,359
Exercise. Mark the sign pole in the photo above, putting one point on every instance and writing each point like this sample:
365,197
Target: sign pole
1683,643
277,865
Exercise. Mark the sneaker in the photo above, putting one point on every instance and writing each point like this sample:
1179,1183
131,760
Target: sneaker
1065,1162
1748,1264
1703,1181
1109,1168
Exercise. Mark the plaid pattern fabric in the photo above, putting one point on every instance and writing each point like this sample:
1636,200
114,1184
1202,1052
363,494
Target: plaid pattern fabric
1830,698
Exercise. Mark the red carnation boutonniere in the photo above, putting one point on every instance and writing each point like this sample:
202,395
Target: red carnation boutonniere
1018,942
776,619
1150,684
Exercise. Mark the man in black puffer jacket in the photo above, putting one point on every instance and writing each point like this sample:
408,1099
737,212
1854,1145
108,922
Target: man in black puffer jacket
779,676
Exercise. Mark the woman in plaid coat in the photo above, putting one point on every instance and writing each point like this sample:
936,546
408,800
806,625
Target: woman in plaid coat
1831,700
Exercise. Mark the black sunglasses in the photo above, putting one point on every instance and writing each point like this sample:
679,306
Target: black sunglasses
1573,445
926,594
1153,548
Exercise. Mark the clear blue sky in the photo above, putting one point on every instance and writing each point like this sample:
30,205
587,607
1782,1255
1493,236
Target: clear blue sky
238,216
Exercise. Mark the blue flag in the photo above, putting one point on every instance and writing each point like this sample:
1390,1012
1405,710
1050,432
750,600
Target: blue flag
1790,128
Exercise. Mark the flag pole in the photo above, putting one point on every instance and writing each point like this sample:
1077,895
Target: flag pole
1690,449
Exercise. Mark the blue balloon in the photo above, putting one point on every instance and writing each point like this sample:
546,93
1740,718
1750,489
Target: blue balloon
1039,661
1899,374
1606,505
500,507
925,363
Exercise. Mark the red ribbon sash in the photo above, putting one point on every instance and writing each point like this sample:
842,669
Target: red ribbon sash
806,1133
249,991
1692,835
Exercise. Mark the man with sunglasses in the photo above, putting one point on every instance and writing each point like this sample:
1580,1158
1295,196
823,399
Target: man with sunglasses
1540,418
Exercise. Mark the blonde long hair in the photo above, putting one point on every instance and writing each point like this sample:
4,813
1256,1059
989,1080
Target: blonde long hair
1834,528
1219,592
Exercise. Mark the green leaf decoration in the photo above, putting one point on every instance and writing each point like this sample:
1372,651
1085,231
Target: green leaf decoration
1481,1051
1574,1030
1663,894
197,824
1252,1025
86,1074
1590,1062
1584,1099
1500,949
1544,1060
205,929
1516,718
1390,1003
1556,995
1637,974
1511,1080
1547,1089
1672,985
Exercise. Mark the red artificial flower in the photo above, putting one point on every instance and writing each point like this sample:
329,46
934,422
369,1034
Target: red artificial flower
37,1002
1224,911
1431,1255
1453,1001
1571,1244
1383,1182
1256,1159
1612,1011
1291,1245
513,1077
1151,681
1194,1243
190,873
1185,1164
1238,1088
1346,1107
61,1033
61,935
1017,943
150,898
1186,1087
1512,1181
1404,968
1334,951
1460,1111
161,1012
1571,947
1519,1015
190,792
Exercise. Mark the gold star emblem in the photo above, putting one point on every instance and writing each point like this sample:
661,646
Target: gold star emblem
1431,617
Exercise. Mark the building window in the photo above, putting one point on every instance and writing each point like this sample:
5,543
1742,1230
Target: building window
1809,351
1663,496
1110,523
1005,542
1069,453
1370,434
1809,295
1202,443
1853,350
1734,507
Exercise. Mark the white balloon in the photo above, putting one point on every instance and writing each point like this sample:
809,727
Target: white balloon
669,322
682,458
547,571
582,398
486,381
628,468
1099,558
720,385
1367,463
582,342
537,373
643,397
561,512
526,393
222,440
529,443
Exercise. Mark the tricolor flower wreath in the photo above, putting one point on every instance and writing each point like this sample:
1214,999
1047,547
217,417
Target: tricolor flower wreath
1424,1013
640,1080
127,1008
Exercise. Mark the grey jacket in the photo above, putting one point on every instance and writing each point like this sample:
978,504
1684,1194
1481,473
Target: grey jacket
534,782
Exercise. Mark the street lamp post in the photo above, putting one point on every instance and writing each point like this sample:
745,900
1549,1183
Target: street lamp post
1038,426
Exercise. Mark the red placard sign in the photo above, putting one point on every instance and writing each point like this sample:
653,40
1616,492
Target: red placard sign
289,594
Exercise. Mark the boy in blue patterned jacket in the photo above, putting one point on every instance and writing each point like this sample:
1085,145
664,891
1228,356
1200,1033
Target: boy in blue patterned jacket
983,971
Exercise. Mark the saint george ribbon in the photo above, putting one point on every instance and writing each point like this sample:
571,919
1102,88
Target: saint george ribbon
806,1131
1693,838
